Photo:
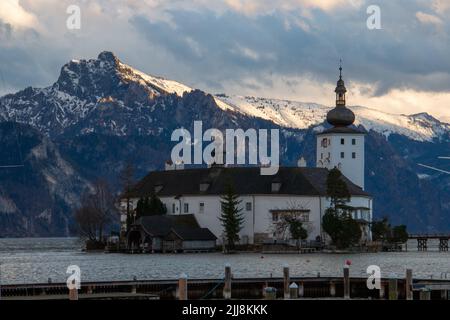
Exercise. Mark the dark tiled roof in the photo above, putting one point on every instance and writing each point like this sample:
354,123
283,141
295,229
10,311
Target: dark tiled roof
160,225
341,130
246,180
194,233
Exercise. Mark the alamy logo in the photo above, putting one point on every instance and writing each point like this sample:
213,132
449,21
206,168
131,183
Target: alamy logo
74,280
374,279
73,21
374,20
237,144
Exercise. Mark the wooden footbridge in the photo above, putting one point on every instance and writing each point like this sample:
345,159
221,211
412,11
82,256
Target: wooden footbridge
422,240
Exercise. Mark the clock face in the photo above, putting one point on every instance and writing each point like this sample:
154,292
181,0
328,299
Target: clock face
434,168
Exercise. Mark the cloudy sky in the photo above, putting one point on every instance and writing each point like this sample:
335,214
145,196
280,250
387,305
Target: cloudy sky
281,49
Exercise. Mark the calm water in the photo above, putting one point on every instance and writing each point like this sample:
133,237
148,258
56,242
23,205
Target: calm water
36,260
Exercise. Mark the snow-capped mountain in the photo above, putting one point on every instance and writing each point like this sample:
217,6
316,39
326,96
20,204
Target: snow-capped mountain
82,87
300,115
87,85
102,113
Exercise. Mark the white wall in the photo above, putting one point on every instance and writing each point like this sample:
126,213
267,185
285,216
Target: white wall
266,203
259,218
330,156
256,220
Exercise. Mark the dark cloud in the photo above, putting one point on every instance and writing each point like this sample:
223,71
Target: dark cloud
404,54
210,48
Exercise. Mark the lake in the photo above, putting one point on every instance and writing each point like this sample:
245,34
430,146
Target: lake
35,260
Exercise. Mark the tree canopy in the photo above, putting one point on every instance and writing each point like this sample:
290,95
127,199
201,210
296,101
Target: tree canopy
383,231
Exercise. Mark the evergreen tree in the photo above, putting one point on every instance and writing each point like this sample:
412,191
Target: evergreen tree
146,207
337,189
399,234
231,217
337,222
155,206
140,208
380,229
150,206
331,224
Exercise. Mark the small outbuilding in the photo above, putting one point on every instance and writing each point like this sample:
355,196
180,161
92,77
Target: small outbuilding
170,233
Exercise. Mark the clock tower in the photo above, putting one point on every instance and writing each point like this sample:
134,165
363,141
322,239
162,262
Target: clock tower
342,146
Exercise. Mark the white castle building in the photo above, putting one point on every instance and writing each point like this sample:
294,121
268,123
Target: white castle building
299,191
342,146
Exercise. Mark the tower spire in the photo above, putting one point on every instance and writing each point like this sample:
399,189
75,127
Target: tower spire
340,88
340,116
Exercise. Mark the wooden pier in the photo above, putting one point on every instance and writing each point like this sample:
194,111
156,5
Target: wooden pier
422,241
241,288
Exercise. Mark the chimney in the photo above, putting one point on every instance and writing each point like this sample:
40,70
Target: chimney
301,162
179,166
169,165
204,185
276,184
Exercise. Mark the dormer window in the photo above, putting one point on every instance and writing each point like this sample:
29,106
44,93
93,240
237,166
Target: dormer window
204,186
276,186
158,188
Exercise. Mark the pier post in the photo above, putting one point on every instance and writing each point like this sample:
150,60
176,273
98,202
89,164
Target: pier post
425,294
286,281
227,284
182,287
301,290
408,284
346,282
270,293
443,244
393,288
293,291
73,294
90,290
332,289
382,289
422,244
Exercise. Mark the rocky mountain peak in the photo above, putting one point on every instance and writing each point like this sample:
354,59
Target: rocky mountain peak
108,56
87,79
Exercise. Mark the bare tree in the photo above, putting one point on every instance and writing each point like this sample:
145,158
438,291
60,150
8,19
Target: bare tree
86,220
289,216
102,201
97,211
